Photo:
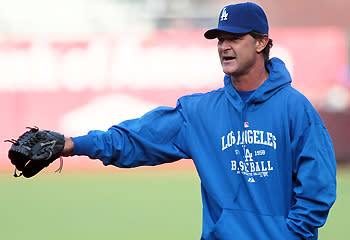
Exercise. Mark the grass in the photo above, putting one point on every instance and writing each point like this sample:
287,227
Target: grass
337,225
121,204
101,206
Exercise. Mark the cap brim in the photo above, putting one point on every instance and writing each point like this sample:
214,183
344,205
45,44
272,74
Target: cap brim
213,33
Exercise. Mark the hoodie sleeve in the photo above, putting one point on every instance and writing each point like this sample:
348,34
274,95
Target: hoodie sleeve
314,174
155,138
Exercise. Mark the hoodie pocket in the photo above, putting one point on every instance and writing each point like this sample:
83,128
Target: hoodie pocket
243,225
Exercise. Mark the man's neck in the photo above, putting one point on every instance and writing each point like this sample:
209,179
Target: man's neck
251,80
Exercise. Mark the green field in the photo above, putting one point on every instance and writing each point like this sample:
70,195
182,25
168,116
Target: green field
121,204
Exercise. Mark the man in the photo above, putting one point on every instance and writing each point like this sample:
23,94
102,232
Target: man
263,155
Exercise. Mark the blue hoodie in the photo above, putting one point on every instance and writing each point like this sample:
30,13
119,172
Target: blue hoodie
267,165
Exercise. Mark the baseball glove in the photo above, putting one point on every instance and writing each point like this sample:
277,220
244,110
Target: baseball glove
35,150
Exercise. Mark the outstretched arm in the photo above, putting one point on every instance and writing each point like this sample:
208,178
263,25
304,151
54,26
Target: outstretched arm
157,137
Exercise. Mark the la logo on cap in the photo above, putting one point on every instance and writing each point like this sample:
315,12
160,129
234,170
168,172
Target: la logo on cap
224,15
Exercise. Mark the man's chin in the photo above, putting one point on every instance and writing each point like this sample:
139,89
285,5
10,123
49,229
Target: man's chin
228,71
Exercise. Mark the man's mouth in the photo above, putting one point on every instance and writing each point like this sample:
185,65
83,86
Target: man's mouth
228,58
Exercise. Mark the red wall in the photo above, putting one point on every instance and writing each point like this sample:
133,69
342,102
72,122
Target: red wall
317,58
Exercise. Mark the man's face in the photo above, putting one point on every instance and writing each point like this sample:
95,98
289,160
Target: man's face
237,53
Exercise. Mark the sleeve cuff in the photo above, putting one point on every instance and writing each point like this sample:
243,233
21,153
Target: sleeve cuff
83,145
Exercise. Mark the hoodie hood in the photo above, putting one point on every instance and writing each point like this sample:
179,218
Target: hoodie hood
278,78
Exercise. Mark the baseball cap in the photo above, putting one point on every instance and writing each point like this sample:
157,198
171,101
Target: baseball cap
240,18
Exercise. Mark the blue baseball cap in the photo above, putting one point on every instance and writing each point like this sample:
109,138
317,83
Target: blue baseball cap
240,18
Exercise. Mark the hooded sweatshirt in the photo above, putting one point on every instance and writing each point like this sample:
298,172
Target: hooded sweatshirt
266,165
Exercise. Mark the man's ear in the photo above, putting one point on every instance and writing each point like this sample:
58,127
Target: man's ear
261,43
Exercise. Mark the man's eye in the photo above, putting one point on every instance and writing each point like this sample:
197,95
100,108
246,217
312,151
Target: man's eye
221,40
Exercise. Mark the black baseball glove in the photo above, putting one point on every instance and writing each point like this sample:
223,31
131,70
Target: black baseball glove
35,150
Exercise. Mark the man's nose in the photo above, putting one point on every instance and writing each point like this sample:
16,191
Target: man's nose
224,45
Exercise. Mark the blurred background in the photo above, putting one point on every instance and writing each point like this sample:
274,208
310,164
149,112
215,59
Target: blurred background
76,65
